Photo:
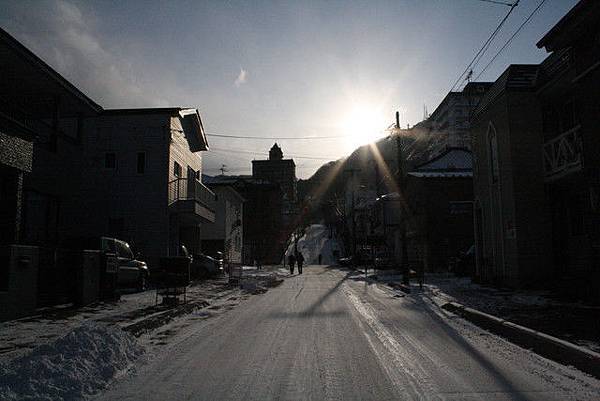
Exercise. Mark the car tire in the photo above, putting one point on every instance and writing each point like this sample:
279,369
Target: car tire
142,282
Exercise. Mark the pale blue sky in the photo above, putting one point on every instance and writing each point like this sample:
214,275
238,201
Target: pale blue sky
259,68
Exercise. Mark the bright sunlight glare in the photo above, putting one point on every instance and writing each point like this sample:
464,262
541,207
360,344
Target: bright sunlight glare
362,125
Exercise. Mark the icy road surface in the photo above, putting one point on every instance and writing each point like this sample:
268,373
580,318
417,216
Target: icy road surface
329,335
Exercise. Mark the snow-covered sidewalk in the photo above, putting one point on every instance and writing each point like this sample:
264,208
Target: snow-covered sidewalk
68,353
18,337
573,322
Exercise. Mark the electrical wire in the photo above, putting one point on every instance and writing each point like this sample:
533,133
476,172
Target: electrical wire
240,151
276,138
485,46
511,38
497,2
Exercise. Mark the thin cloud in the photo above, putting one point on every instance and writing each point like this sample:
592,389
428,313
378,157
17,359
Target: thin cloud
63,36
241,78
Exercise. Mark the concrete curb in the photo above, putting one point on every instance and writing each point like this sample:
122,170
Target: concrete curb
543,344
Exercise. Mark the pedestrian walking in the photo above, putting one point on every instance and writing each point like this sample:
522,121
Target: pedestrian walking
320,258
291,262
300,260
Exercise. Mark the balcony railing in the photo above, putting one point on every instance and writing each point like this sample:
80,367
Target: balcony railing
563,154
184,189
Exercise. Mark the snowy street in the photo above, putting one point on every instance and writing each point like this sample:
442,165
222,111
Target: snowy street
327,334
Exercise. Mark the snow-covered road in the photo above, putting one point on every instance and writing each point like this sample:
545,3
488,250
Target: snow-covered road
329,335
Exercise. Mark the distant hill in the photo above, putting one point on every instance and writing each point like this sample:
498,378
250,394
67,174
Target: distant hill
419,144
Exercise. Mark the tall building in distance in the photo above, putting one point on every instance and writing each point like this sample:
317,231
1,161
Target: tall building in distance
278,170
452,117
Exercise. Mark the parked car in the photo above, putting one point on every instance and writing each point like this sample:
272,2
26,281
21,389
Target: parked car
132,272
204,265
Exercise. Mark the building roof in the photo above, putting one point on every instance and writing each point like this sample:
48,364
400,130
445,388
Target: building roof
441,174
469,89
516,77
583,16
191,122
145,110
452,159
452,163
225,180
25,74
229,188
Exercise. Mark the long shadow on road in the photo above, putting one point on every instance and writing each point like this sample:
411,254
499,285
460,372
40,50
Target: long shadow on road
312,310
458,339
418,304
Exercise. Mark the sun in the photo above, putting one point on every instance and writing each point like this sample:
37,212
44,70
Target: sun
363,124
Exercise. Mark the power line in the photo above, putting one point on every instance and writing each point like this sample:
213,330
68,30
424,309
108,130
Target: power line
497,2
275,138
485,46
512,37
227,154
266,154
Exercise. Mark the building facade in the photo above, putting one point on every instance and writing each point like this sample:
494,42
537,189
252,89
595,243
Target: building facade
453,115
435,210
509,191
51,113
143,169
537,170
568,91
226,234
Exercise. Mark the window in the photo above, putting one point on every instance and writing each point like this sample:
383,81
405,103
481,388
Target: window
493,153
176,169
110,160
141,162
123,250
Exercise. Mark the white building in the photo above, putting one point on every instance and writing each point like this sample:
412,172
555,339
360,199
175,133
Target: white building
143,170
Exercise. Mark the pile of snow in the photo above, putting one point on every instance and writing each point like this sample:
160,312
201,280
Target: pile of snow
316,241
77,364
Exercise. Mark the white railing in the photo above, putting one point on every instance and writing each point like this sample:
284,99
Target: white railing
564,154
186,189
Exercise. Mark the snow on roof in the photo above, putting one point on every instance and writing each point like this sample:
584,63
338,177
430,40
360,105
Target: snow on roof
441,174
453,159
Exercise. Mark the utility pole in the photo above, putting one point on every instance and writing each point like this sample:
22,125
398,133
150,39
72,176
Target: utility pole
352,171
401,187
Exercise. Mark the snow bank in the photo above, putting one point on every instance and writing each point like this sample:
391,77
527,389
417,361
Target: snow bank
316,241
77,364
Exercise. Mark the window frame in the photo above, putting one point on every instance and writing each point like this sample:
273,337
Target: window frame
177,170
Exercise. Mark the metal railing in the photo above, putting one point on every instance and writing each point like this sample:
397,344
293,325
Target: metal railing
191,189
563,154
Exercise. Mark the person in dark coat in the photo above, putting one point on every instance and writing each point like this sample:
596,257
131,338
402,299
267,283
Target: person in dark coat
300,260
320,258
291,262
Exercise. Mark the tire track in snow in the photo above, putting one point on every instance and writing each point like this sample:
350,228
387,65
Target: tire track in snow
394,362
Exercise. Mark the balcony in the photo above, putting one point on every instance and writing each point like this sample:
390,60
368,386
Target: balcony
190,198
563,154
